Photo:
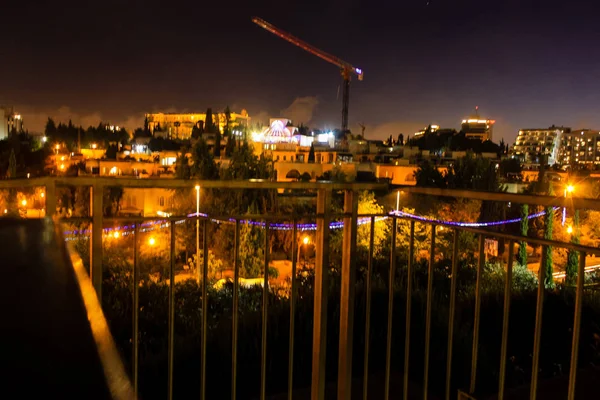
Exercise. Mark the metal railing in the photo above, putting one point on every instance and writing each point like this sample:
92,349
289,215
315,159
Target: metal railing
350,216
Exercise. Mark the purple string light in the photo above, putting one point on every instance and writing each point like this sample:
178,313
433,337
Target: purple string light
148,226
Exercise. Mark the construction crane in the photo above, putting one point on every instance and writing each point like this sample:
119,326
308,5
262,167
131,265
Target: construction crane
346,68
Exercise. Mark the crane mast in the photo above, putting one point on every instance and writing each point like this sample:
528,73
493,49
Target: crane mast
346,68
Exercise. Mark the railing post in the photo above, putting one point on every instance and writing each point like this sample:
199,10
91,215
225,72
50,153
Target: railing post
136,305
428,312
348,279
537,338
368,311
409,282
320,300
576,325
506,319
50,196
390,320
235,312
477,318
96,238
451,313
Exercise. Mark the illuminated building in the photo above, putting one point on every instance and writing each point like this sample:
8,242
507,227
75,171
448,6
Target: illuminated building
580,147
532,145
476,127
179,126
427,130
9,121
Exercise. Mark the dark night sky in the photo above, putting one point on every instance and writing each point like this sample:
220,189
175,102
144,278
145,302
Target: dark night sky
525,63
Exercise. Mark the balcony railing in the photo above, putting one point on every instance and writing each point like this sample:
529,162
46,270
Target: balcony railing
348,283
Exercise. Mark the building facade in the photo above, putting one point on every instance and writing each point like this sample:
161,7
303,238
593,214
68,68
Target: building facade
534,146
476,127
9,121
180,126
580,147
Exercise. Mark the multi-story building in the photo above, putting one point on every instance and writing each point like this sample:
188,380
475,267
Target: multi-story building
534,146
580,147
9,121
476,127
180,126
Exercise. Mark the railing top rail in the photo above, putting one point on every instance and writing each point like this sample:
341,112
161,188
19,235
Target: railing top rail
546,201
187,183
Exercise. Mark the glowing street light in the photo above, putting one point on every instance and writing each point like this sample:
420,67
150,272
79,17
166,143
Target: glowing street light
152,241
44,139
570,230
116,234
568,189
42,195
24,202
305,240
94,145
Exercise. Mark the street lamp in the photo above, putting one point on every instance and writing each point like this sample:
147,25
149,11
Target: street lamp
24,203
568,189
151,242
570,230
305,241
197,187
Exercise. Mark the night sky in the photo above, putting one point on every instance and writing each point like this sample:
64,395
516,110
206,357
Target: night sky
526,64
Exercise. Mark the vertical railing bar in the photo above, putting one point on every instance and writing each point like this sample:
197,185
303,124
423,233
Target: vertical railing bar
204,308
538,326
428,312
409,282
136,305
292,310
234,321
506,319
347,295
97,209
576,325
368,310
319,347
171,335
477,319
263,358
388,355
451,313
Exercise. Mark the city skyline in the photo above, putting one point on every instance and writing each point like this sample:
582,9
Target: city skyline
525,65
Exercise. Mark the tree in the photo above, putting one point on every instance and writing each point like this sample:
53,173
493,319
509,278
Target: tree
227,113
208,122
367,204
230,146
204,165
196,131
401,139
427,175
572,255
305,177
251,250
509,166
311,153
522,254
12,165
50,129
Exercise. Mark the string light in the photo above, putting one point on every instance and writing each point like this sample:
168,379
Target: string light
149,226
